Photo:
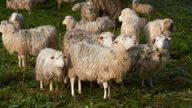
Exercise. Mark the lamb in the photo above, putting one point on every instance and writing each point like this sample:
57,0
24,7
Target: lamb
49,67
101,64
130,24
149,59
141,8
74,36
18,20
101,24
157,27
59,2
27,41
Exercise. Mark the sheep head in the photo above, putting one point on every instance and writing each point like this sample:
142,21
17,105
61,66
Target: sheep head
69,21
7,26
88,12
127,12
169,26
162,42
57,59
105,39
124,41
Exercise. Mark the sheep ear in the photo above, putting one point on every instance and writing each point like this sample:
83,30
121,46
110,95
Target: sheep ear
153,41
168,25
52,57
120,19
115,42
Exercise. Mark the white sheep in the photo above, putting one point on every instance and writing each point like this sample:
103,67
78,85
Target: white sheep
157,27
102,64
130,24
101,24
18,20
74,36
59,2
149,59
29,41
141,8
49,67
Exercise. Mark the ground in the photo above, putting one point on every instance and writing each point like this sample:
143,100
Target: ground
172,85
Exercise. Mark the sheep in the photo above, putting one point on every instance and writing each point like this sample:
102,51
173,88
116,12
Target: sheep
74,36
102,64
59,2
49,67
77,7
25,41
157,27
20,4
111,8
130,24
142,8
149,59
18,20
100,25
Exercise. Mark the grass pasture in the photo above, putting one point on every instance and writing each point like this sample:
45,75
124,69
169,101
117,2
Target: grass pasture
172,86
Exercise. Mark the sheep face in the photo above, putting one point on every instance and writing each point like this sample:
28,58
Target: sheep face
169,25
162,42
126,13
57,59
90,12
6,26
106,39
68,19
125,41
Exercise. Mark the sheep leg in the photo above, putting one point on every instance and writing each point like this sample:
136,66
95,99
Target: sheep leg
57,87
105,86
41,85
151,82
72,80
109,91
51,86
143,83
65,80
79,86
148,16
19,57
23,60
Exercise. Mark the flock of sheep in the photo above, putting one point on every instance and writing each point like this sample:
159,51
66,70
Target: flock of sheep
91,52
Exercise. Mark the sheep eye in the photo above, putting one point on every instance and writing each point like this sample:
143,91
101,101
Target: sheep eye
52,57
101,37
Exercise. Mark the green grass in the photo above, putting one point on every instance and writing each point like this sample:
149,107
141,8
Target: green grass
172,85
